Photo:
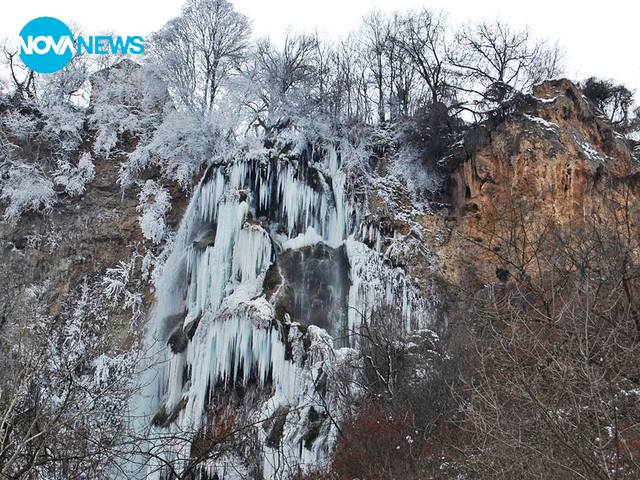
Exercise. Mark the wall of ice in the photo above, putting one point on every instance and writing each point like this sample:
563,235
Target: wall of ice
219,327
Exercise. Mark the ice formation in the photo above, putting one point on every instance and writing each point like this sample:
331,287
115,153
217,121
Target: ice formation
216,328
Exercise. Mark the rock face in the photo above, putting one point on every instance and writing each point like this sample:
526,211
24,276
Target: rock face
272,252
313,286
81,238
553,147
549,158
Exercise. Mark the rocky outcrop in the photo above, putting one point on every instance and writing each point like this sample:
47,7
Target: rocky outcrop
553,146
542,159
547,158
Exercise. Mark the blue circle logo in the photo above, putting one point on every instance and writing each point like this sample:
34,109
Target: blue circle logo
46,44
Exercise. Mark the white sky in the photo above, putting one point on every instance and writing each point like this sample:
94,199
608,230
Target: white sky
600,38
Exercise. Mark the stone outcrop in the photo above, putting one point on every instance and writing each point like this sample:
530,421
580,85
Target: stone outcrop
554,146
548,158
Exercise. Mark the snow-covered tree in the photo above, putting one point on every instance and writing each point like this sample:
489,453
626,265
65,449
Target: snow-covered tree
155,202
22,127
281,81
74,178
63,392
179,147
126,102
62,127
25,189
196,51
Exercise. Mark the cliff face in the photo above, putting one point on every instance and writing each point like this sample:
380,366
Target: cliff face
274,248
76,243
78,240
546,159
85,240
550,156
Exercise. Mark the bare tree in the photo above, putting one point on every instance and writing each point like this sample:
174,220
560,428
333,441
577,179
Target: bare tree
423,39
494,59
23,78
351,80
614,100
63,398
375,39
552,389
282,81
200,48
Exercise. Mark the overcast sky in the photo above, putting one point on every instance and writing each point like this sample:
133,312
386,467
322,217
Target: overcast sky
599,38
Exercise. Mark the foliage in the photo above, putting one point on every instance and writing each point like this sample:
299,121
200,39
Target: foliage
26,189
155,202
568,319
119,286
63,393
180,145
613,100
74,178
127,102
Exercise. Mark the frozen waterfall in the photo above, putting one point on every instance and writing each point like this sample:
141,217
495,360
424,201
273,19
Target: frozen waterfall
269,276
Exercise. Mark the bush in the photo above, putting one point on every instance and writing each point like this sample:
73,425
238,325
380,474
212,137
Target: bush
155,202
25,189
614,100
74,178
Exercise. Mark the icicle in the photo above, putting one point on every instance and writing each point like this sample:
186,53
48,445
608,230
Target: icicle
252,253
213,284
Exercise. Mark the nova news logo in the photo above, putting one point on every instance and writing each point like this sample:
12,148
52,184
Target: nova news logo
46,45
